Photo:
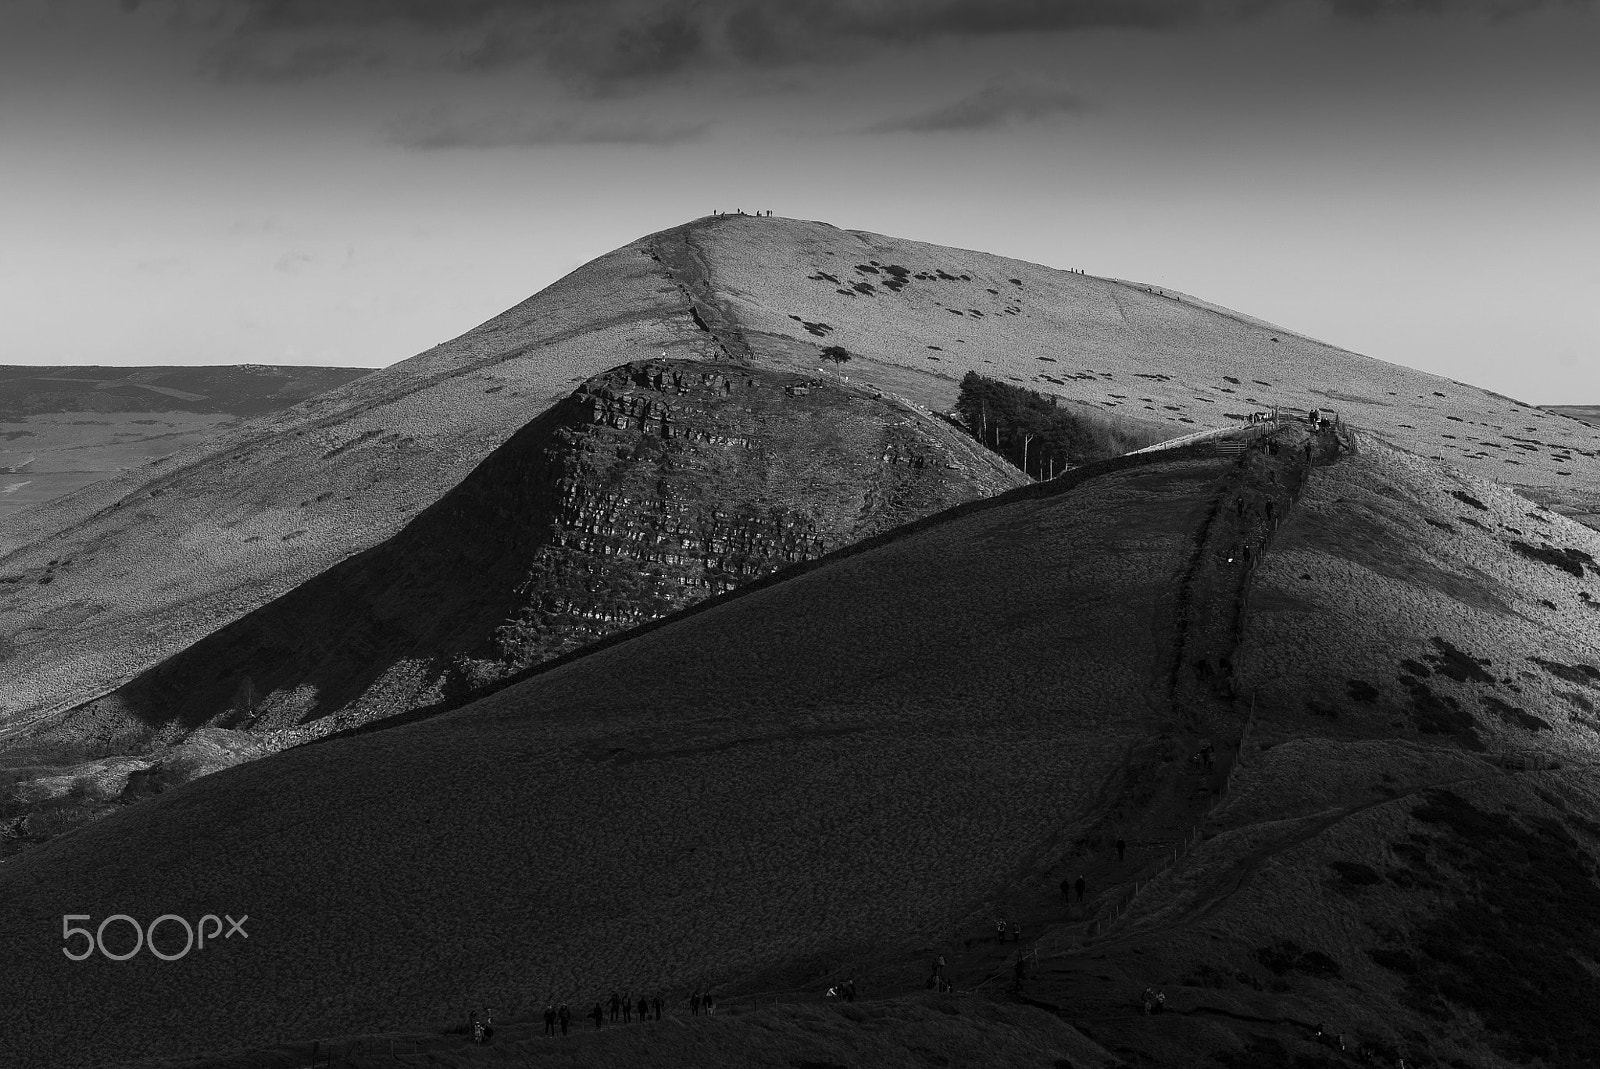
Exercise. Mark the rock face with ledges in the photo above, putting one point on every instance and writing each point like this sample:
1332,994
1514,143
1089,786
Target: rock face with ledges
652,486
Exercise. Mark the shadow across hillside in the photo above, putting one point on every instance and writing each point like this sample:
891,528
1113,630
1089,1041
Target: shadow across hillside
426,591
1061,484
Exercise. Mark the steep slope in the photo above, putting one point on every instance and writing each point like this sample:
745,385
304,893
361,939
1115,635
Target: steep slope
146,566
650,487
864,762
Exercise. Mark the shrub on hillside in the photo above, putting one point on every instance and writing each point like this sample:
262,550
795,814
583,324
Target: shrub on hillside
1042,436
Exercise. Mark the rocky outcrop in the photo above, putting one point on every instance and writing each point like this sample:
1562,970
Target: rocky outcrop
650,487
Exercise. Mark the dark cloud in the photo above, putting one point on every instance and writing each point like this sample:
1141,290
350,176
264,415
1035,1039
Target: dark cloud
438,130
1001,103
603,47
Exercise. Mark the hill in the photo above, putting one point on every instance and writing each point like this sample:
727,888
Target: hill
650,487
1589,414
62,428
860,762
92,594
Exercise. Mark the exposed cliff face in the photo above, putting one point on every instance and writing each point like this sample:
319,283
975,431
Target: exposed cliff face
652,486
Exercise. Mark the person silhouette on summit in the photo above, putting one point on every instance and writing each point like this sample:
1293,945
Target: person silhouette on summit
694,1003
627,1007
550,1021
656,1005
598,1014
644,1009
616,1004
564,1015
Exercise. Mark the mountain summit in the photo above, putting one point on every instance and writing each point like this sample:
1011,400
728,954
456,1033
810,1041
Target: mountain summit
102,585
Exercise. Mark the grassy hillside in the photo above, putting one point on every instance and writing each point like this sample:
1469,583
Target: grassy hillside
882,725
284,497
867,761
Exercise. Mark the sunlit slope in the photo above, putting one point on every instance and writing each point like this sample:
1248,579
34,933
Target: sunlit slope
1122,345
816,769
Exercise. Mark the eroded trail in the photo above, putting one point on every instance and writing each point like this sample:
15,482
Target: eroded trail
1164,789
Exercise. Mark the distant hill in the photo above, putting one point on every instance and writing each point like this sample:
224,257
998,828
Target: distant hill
852,766
1589,414
63,428
232,389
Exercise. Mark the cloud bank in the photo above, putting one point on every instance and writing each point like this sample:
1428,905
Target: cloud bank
1001,103
438,130
616,47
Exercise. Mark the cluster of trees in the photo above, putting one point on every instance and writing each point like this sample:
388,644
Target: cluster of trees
1043,436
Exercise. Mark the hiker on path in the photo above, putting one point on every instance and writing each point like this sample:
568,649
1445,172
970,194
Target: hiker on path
1077,885
475,1027
550,1020
656,1005
1148,999
850,990
644,1009
709,1003
564,1015
1016,932
1066,888
598,1014
1122,848
694,1003
832,995
627,1008
1000,931
1017,972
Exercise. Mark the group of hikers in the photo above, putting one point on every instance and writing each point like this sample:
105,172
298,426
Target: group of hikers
845,992
740,211
559,1016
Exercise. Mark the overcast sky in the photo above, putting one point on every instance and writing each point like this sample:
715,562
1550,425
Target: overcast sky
353,181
